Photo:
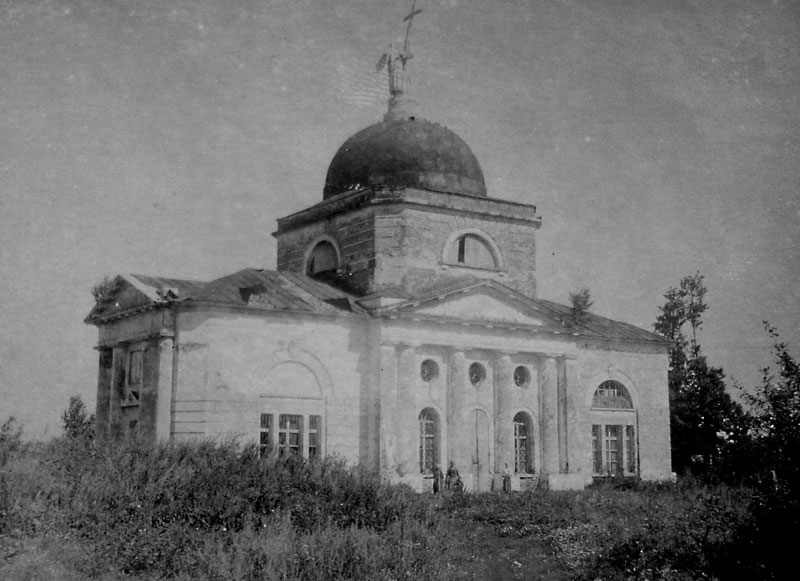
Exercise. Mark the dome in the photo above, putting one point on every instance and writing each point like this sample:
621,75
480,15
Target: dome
407,152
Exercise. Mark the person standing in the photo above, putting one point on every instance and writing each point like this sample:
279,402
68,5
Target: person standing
451,477
437,479
507,479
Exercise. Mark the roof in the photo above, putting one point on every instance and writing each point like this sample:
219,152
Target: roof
558,317
252,288
270,290
409,152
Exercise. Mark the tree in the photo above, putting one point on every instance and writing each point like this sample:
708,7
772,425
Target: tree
77,424
10,439
705,421
99,289
581,303
775,413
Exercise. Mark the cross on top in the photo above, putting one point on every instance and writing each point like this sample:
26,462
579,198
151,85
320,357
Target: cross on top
410,19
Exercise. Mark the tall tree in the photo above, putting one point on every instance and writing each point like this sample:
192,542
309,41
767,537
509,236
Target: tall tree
704,418
774,407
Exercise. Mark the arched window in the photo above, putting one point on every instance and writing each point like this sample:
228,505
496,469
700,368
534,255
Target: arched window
614,441
323,260
472,250
428,441
523,444
612,395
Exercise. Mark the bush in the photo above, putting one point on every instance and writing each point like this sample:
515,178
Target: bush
161,510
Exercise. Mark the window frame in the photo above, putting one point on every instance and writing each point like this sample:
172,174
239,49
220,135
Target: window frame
456,251
523,443
614,449
428,422
285,433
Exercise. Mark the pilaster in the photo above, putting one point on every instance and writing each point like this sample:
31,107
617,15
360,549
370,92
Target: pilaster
456,428
387,411
407,450
549,391
503,420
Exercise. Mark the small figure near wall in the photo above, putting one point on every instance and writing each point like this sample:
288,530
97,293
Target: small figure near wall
452,476
437,479
507,479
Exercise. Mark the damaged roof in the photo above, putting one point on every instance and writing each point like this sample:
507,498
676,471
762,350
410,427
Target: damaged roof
270,290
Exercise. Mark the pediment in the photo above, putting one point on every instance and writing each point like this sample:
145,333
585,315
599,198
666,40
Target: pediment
482,306
121,294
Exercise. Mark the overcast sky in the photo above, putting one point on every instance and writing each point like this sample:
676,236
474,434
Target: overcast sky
656,137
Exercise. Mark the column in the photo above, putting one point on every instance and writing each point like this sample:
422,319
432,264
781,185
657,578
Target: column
387,409
116,393
163,407
549,419
563,463
104,378
575,440
503,420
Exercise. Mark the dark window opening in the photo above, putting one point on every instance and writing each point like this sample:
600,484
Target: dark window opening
323,261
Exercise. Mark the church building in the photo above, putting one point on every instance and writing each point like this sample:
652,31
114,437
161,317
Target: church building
400,330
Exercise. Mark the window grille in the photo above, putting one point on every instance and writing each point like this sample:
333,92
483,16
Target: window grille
265,435
290,434
314,424
523,458
427,441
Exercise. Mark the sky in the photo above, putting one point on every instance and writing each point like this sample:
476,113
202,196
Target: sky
657,138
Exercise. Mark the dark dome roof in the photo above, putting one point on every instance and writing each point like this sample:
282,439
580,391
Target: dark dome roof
408,152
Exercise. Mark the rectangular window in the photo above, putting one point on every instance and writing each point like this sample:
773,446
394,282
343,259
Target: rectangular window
314,425
290,434
265,436
612,450
630,450
597,448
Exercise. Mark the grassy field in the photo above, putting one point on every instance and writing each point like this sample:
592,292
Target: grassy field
70,510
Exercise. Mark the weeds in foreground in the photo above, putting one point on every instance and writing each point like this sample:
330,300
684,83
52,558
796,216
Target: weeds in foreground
219,511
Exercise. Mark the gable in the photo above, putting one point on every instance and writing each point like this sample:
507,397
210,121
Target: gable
121,294
480,307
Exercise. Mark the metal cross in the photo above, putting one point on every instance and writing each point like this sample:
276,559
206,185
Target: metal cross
410,19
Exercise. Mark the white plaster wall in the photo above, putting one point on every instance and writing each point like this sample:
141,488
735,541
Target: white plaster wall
644,373
234,366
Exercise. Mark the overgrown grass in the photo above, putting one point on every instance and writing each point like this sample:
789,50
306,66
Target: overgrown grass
219,511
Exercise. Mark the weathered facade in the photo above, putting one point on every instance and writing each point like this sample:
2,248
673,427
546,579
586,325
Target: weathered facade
401,330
